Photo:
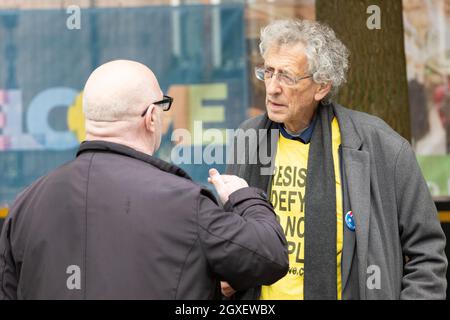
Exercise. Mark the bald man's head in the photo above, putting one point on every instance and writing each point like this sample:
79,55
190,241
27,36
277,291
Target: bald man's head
119,90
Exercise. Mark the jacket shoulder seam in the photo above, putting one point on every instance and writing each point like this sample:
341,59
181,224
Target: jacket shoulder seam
363,120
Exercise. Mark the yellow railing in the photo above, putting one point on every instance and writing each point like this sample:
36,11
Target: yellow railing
3,213
444,216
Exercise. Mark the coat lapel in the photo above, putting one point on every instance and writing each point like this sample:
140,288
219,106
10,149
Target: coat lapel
357,169
356,163
349,235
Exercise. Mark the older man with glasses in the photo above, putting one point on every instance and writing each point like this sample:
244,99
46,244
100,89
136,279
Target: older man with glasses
348,192
119,223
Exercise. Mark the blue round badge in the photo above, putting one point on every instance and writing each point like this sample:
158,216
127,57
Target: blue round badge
349,221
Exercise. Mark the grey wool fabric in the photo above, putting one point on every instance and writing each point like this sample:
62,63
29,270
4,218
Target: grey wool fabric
320,215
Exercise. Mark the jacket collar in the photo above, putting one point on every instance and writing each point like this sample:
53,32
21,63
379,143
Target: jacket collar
111,147
350,136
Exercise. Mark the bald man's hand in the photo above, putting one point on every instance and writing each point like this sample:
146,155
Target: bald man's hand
226,289
225,184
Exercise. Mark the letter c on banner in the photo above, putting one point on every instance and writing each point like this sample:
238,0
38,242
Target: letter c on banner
37,118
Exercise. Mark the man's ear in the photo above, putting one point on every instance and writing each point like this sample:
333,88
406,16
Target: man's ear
150,118
322,91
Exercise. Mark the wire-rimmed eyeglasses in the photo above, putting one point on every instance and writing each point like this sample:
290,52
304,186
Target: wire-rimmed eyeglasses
283,78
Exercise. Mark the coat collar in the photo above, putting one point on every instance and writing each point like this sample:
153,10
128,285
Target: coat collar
356,162
350,136
111,147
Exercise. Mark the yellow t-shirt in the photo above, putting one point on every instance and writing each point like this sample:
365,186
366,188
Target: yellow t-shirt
288,198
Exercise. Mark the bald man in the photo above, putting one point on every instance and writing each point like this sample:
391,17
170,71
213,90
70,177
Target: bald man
118,223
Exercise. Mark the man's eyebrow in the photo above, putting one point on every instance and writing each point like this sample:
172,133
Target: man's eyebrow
282,71
273,69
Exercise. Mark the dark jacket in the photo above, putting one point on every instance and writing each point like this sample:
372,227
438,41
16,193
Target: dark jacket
117,223
398,237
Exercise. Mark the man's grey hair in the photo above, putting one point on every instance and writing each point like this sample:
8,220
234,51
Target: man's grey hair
327,56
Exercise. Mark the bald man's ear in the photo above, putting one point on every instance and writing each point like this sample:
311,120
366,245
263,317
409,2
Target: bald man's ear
151,119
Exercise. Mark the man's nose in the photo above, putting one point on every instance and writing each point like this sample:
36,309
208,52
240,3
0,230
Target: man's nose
273,86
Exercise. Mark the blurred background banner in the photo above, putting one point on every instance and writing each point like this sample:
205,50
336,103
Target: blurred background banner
427,49
204,52
197,52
